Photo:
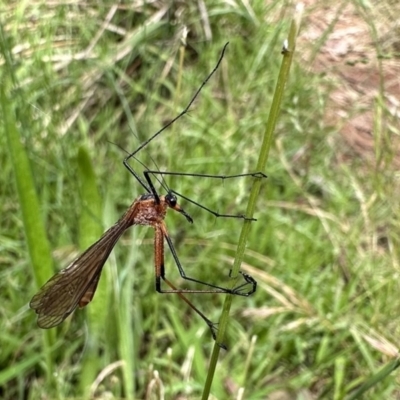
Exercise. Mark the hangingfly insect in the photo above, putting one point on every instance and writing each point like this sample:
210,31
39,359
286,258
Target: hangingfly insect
76,284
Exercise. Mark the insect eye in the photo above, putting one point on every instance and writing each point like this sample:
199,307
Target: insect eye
171,199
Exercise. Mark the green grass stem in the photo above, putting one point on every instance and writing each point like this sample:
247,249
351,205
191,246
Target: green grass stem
261,166
375,379
90,228
32,217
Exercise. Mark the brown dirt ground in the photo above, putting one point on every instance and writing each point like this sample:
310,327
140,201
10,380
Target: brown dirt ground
348,55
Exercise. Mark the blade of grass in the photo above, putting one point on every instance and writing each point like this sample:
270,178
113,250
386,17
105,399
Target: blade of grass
375,379
38,244
261,164
18,369
90,228
35,232
127,338
339,376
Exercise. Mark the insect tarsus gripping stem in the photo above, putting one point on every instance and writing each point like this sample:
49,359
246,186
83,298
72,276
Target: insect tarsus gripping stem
249,280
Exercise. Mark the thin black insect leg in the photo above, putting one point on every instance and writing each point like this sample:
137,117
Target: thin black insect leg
130,169
149,181
150,188
160,181
139,179
182,113
211,325
216,214
257,174
223,177
216,288
160,274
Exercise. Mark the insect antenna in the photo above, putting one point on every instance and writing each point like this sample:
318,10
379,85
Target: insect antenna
161,181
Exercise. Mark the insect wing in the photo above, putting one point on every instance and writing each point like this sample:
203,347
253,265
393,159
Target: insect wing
77,283
90,291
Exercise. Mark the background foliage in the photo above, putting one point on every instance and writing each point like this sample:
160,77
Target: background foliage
77,77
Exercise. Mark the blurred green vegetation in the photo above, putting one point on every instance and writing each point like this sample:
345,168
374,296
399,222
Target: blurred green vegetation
78,79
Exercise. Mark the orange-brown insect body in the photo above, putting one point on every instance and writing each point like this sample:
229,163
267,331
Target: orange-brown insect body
146,211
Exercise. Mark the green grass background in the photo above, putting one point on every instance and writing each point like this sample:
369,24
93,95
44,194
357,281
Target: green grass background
324,249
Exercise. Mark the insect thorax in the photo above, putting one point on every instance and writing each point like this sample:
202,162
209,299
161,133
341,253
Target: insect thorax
148,211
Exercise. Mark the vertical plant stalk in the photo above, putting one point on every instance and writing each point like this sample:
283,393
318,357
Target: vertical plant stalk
34,229
287,51
90,229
